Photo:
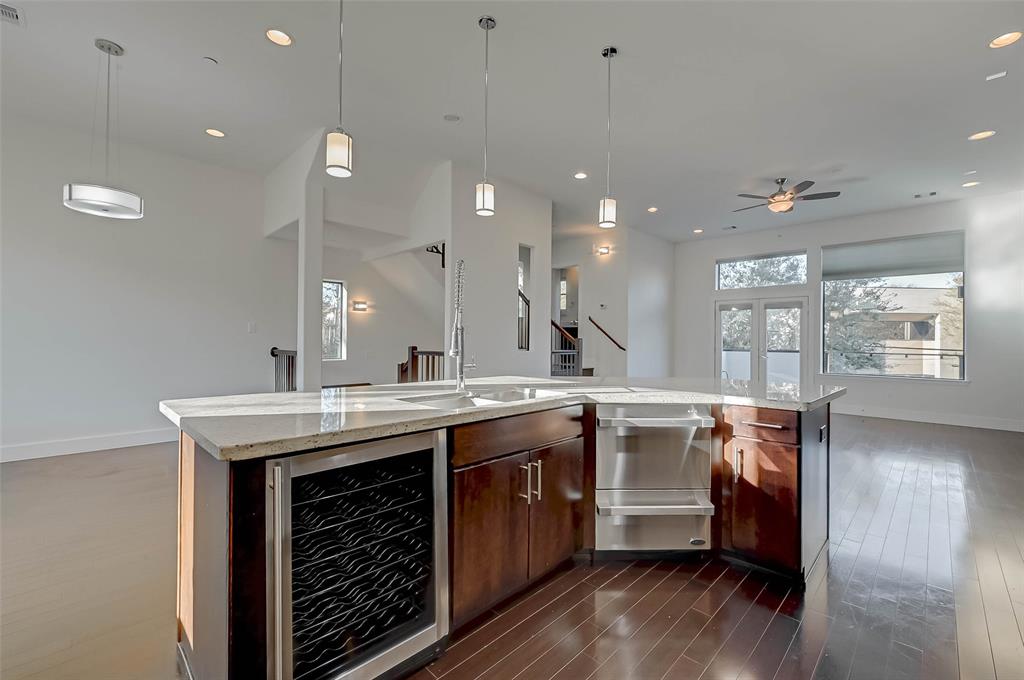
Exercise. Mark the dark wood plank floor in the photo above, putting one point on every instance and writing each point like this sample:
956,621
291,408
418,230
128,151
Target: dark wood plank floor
924,579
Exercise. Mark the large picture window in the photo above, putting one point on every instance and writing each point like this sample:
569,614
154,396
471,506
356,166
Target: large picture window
895,307
763,271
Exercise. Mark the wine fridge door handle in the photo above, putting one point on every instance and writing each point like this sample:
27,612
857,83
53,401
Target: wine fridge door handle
539,490
528,467
278,482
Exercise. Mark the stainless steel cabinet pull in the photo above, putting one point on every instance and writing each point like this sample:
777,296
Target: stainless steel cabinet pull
278,576
528,467
539,490
773,426
737,467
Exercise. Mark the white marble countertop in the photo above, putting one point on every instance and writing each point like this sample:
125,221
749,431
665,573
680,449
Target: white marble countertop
259,425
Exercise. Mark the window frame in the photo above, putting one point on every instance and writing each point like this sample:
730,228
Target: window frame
762,256
343,309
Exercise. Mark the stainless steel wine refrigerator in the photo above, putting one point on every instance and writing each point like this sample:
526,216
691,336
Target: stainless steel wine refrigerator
356,558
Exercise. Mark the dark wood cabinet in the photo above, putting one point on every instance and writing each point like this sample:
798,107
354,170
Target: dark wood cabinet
556,506
490,534
761,501
514,516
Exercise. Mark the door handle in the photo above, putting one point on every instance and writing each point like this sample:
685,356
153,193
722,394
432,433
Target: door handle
773,426
278,549
539,489
528,467
737,468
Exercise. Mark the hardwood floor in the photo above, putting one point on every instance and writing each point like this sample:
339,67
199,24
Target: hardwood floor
925,579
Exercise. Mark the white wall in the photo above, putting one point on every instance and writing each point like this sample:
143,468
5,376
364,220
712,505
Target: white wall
104,318
490,246
994,226
651,283
603,294
379,338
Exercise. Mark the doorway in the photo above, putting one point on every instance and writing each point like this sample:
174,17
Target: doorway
762,342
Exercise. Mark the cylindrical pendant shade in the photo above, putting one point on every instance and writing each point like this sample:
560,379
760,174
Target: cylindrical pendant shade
484,199
103,201
339,153
606,213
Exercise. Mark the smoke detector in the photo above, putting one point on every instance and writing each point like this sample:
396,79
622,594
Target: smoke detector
12,15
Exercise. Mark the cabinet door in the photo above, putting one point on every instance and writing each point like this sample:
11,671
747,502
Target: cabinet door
556,509
490,534
761,503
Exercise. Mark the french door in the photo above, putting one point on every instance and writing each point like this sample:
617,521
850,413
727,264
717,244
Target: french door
762,341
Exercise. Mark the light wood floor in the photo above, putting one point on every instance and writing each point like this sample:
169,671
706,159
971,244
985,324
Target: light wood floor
925,578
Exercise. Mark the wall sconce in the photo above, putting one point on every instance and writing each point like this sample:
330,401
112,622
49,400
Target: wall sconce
360,306
604,250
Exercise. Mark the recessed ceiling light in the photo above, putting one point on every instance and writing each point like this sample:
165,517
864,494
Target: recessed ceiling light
971,172
1005,39
698,231
579,174
452,117
652,209
996,76
968,185
984,134
279,37
214,132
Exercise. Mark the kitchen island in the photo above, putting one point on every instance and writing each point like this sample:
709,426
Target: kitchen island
346,533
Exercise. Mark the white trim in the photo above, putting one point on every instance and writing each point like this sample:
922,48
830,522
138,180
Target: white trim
62,447
959,419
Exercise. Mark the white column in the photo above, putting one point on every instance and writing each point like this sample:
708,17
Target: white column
311,263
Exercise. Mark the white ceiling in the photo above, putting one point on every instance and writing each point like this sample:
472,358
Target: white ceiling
874,99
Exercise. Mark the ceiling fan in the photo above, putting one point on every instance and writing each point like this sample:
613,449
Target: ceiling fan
783,199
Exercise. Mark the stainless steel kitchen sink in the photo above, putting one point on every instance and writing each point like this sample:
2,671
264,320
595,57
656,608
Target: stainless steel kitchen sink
456,400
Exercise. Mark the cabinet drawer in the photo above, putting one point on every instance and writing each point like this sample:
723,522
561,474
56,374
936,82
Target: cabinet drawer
653,532
768,424
476,442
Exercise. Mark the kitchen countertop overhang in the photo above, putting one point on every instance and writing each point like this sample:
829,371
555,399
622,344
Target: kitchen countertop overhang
244,427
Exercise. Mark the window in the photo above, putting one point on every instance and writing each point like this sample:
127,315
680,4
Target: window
760,272
563,294
523,308
895,307
334,320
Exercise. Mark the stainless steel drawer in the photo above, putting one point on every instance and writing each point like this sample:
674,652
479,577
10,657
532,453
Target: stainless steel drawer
652,532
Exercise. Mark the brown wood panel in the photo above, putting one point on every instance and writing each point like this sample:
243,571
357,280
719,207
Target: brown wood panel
762,502
247,578
589,506
490,535
769,424
556,507
477,442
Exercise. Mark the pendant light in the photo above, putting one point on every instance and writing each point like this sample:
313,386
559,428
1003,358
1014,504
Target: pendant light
339,142
485,190
104,200
606,209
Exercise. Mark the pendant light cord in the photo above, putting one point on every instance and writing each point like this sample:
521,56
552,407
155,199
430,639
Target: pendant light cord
608,169
106,140
487,54
341,22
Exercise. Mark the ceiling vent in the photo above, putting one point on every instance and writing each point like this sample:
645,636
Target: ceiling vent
12,15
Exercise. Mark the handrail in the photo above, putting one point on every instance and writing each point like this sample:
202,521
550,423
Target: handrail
614,341
564,333
413,370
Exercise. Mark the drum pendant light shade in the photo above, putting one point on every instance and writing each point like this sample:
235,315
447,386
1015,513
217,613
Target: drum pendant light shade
339,153
606,213
485,199
95,199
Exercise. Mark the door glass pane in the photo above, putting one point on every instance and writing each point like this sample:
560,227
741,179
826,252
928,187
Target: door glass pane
736,341
782,345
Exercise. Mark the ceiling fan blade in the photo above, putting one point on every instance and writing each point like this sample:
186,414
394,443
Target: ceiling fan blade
763,198
749,207
803,186
817,197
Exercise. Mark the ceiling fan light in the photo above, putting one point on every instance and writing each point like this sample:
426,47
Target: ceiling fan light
781,206
95,199
485,199
339,153
606,213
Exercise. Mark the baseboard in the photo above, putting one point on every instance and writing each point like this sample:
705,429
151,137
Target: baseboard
961,419
62,447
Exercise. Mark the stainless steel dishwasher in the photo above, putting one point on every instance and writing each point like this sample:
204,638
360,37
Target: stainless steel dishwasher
653,477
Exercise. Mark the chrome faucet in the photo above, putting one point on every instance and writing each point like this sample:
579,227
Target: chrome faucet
457,348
